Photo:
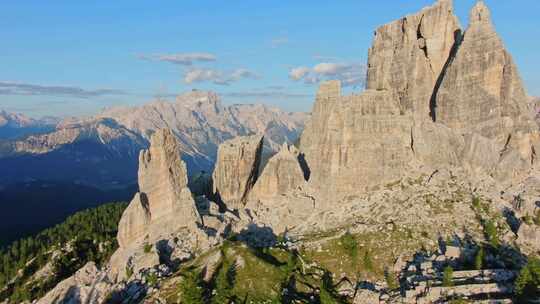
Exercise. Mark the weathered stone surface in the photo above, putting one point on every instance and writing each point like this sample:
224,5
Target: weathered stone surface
409,54
163,209
283,213
164,203
481,93
357,142
481,90
163,178
436,145
87,285
134,221
366,296
282,174
237,169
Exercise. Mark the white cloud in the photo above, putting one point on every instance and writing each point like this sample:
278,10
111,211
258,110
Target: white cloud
330,69
243,73
29,89
186,59
298,73
200,75
218,77
350,74
267,94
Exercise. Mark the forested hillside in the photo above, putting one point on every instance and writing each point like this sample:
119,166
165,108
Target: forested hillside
31,266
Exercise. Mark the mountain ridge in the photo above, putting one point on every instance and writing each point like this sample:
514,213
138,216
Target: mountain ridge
113,138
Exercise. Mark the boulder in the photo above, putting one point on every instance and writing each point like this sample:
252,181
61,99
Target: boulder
237,169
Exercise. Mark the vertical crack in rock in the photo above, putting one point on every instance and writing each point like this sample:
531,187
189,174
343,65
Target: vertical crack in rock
506,144
533,155
254,174
421,40
458,39
237,169
304,166
412,141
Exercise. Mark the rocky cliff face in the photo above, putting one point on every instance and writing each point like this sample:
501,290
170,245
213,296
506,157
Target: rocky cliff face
482,96
164,202
164,209
282,174
237,169
435,98
356,142
408,56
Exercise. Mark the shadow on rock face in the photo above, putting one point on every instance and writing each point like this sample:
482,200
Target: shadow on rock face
511,219
73,296
257,237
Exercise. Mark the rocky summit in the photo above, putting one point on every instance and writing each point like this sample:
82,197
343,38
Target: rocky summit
431,169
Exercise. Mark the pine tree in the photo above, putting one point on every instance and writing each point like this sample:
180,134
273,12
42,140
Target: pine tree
224,283
479,259
448,276
191,288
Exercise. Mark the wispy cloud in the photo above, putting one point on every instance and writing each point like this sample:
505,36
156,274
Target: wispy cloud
218,77
279,41
350,74
299,73
18,88
266,94
186,59
325,58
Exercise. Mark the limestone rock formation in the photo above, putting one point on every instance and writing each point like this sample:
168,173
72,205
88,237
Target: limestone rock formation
87,285
282,174
435,98
237,169
482,96
164,209
408,55
134,221
164,203
357,142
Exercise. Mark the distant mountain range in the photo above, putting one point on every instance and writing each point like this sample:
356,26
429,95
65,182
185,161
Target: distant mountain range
14,125
102,151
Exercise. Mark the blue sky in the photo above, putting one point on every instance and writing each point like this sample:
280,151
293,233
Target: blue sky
67,57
